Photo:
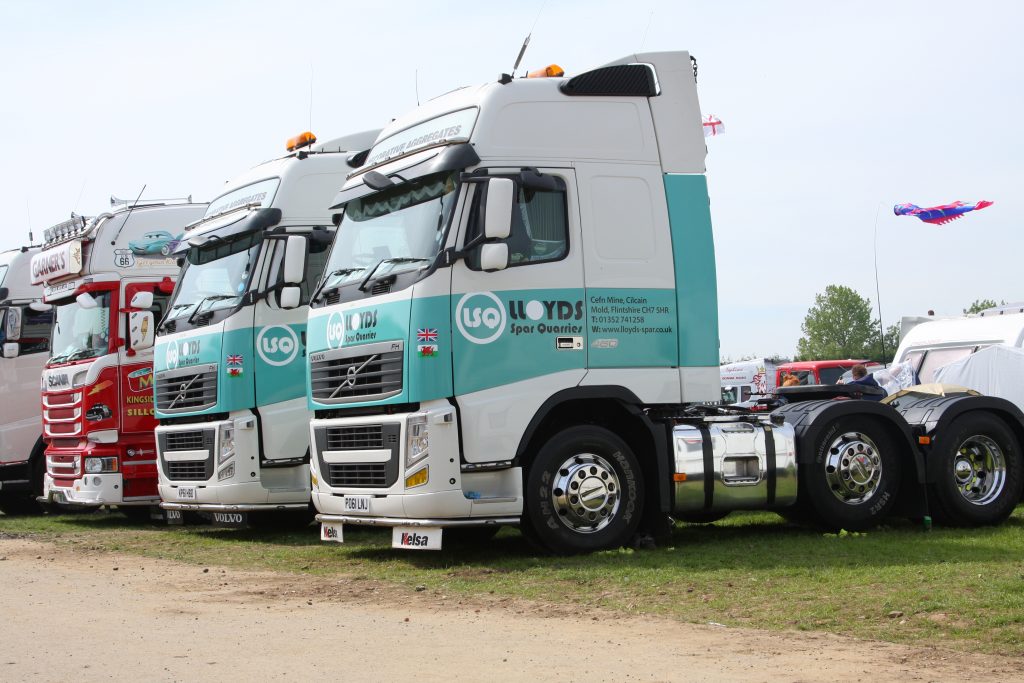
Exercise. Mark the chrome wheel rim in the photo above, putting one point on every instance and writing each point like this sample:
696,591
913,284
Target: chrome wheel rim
853,468
586,493
979,470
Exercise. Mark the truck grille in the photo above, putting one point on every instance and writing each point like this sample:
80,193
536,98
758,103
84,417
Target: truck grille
362,436
367,475
337,439
171,442
362,373
187,471
186,389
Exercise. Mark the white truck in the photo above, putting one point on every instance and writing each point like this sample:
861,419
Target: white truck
230,352
518,324
25,324
746,380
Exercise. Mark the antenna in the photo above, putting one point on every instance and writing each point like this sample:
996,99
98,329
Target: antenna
80,191
28,210
417,77
127,216
643,41
310,96
526,42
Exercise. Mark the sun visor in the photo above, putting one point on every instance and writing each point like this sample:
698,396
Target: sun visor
449,158
254,221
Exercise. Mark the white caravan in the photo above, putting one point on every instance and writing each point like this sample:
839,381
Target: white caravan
932,345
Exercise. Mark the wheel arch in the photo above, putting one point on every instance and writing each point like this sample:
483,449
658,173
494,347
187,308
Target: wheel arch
618,409
810,419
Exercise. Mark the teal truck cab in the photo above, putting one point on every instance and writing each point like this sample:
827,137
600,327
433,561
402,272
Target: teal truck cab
230,352
518,325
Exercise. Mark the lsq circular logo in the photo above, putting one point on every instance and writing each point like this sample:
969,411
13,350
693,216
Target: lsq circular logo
335,330
480,317
277,345
171,357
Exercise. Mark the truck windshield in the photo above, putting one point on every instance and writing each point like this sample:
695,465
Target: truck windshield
392,230
216,276
81,332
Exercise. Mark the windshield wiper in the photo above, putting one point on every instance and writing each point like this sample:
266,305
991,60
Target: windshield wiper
396,259
333,273
212,297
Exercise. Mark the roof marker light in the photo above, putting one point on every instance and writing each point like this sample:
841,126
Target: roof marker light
550,71
300,140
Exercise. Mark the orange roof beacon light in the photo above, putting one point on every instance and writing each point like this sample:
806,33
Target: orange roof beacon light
550,71
300,140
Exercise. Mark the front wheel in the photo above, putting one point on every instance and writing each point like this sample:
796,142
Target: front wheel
980,477
584,492
854,479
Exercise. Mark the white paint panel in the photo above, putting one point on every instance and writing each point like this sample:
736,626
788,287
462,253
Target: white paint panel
651,385
494,420
700,385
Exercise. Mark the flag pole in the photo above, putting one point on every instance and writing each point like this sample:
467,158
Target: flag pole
878,293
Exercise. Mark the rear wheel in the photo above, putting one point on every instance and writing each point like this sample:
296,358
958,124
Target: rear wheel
853,481
584,492
980,472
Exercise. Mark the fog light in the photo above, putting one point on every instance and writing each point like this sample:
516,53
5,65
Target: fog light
417,479
226,473
418,439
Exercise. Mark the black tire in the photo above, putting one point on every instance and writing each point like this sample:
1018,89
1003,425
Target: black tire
855,477
702,516
591,460
980,475
24,502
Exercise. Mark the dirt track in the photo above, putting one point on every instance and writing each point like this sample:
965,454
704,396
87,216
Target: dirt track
68,614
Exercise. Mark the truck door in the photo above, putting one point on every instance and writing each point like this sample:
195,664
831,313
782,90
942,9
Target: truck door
518,334
279,341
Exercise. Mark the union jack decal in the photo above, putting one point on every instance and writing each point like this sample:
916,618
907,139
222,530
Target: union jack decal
426,334
234,360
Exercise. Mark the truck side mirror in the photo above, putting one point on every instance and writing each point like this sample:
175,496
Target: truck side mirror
498,208
295,260
141,301
141,330
290,296
494,256
10,350
12,326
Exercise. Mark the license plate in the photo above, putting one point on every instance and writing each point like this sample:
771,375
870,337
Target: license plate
329,531
416,537
186,493
357,503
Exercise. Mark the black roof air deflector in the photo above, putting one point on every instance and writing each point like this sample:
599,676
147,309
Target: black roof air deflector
622,80
450,158
258,220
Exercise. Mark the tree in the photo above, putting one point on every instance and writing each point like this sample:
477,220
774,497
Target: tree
839,325
980,305
892,340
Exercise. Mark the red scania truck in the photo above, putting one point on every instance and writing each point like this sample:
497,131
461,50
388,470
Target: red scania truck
107,277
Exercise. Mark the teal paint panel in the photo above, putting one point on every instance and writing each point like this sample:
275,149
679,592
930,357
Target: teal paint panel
508,336
353,327
278,362
632,328
693,250
429,349
235,390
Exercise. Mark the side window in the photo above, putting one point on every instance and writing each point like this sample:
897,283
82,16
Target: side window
35,331
316,261
540,226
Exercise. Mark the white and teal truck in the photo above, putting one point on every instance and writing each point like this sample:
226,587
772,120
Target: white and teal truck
518,325
229,381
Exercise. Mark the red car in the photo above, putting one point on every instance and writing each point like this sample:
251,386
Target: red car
818,371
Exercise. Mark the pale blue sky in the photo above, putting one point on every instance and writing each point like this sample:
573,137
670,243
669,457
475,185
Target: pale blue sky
832,110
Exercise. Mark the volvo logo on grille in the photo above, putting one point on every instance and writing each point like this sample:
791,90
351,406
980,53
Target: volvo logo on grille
351,374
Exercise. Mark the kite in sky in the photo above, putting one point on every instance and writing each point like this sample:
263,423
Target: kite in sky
939,215
713,126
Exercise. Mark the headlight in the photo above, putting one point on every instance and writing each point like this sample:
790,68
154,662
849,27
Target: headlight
227,442
100,465
418,440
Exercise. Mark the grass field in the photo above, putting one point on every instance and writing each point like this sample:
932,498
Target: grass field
962,588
